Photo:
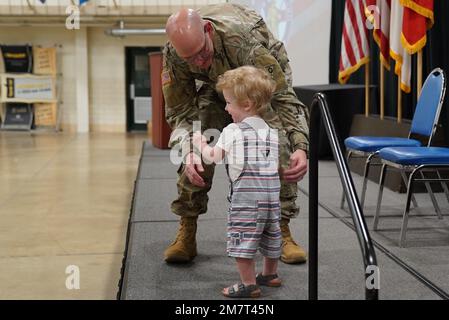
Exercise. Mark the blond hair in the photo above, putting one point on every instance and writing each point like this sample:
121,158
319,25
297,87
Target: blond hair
248,83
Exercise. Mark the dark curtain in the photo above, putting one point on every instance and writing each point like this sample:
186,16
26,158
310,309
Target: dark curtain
435,54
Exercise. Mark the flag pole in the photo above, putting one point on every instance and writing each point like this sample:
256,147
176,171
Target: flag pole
382,105
367,89
419,73
399,99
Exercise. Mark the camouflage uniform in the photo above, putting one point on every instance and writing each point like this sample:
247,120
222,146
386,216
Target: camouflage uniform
240,37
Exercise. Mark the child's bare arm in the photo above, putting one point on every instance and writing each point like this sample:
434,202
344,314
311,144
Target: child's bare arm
211,154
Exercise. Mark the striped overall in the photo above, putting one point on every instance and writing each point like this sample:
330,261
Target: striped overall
254,212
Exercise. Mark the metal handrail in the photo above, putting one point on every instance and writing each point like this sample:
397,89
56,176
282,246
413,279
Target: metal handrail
369,255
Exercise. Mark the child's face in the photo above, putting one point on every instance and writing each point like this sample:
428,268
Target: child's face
237,111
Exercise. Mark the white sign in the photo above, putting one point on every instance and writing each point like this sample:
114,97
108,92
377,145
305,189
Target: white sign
27,88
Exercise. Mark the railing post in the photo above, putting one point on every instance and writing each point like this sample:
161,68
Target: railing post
313,200
320,111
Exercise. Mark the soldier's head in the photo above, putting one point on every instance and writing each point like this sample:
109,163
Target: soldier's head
191,36
247,91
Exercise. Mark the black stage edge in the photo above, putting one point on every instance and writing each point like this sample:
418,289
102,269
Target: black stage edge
128,232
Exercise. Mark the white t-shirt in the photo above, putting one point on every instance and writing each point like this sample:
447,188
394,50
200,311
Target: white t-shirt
231,141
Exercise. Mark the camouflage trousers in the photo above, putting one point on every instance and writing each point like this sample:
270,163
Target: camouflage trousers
192,200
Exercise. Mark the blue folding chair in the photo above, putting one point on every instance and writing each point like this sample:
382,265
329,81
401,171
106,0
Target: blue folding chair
424,123
417,160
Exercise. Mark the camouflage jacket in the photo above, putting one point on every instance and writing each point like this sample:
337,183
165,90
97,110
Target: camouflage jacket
240,37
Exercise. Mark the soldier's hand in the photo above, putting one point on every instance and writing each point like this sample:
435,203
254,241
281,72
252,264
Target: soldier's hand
193,169
297,168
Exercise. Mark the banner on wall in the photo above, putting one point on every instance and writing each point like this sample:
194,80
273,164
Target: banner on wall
44,60
2,64
27,88
45,114
2,70
18,116
17,58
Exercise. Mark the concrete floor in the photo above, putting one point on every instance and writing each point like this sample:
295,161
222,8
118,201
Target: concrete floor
65,201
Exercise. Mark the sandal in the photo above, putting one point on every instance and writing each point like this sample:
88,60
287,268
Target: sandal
271,280
239,290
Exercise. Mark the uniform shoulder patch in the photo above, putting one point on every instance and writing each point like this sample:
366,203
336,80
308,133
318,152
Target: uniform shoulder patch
165,77
270,69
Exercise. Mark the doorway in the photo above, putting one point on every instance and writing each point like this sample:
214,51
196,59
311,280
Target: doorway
138,87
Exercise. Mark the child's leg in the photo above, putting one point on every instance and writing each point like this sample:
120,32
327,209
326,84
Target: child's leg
248,278
247,270
270,266
269,276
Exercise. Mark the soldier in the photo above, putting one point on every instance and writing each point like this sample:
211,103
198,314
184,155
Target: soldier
203,45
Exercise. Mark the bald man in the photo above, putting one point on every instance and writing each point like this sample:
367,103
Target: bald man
202,46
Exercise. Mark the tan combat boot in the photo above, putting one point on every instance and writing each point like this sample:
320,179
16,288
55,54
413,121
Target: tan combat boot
291,252
183,249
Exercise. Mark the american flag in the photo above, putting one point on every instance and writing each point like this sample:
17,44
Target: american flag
354,41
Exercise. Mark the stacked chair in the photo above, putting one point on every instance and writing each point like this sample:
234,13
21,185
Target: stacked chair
418,160
408,154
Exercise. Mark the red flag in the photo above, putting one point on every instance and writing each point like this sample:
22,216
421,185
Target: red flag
381,32
418,17
354,40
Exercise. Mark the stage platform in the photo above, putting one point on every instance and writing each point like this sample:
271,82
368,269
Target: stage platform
419,271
